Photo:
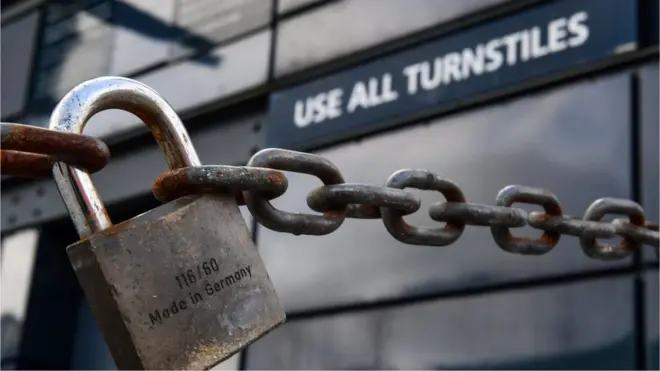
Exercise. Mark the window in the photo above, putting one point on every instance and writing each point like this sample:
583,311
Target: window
651,323
18,256
201,24
649,141
76,46
18,44
573,141
344,27
578,326
143,34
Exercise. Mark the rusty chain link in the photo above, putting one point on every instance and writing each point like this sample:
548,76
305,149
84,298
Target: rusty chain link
338,200
30,151
262,180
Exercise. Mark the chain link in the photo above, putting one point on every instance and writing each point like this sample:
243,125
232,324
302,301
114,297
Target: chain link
338,200
295,223
30,151
263,180
362,201
406,233
525,245
176,183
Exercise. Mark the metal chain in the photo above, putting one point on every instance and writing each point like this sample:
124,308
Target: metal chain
337,200
31,151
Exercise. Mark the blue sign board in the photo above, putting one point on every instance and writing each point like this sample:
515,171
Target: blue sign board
542,40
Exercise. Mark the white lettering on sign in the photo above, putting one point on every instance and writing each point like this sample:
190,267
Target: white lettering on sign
374,93
318,108
559,34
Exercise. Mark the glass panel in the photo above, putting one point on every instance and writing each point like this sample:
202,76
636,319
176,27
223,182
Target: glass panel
204,23
225,71
649,135
76,46
652,322
143,33
351,25
555,140
578,326
18,44
18,256
90,351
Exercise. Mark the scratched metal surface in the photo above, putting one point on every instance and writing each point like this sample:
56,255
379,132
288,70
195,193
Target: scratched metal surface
224,299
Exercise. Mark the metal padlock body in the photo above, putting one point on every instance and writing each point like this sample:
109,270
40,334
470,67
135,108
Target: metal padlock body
179,287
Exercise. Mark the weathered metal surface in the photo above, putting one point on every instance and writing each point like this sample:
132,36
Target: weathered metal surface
404,232
295,223
234,180
179,287
476,214
84,101
25,164
338,200
31,151
526,245
363,201
596,212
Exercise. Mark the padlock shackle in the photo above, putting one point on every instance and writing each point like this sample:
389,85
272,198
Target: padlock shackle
91,97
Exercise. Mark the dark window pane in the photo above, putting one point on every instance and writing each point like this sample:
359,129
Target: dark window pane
649,22
91,351
652,323
555,140
649,140
18,44
578,326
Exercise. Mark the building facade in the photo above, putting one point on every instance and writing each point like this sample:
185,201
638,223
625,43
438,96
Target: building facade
558,94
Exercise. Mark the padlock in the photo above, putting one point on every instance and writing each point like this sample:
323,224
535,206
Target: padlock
179,287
